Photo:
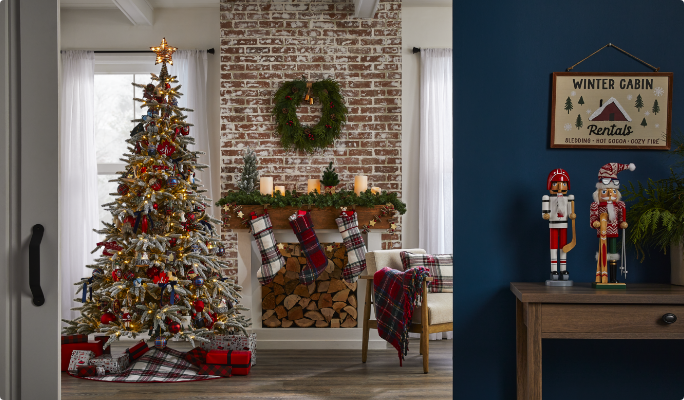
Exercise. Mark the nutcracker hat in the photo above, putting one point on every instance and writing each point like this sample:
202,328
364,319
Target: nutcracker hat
557,175
608,173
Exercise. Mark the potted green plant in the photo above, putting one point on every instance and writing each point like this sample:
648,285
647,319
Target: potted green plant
330,179
656,215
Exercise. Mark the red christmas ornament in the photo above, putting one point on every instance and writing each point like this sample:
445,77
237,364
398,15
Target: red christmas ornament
107,318
166,148
143,170
144,224
116,275
191,216
156,186
129,275
185,131
122,189
199,305
174,327
155,206
152,272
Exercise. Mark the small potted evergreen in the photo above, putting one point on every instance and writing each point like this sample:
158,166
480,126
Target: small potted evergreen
330,179
656,215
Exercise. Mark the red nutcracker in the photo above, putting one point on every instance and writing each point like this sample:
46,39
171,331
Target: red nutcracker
608,214
126,317
557,207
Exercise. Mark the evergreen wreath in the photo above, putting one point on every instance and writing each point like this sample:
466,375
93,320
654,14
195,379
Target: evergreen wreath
294,134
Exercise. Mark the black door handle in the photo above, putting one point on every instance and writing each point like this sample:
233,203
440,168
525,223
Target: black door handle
34,264
669,318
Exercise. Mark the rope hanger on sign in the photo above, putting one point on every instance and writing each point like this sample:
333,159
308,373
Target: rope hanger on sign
614,46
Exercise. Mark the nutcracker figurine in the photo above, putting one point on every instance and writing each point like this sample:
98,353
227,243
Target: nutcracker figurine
557,208
126,317
607,214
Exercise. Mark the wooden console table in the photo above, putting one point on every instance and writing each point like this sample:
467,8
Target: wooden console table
642,311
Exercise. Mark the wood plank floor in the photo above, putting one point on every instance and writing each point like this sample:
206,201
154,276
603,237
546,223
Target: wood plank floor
298,374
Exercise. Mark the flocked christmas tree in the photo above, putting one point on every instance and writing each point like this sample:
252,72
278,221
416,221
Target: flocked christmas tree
160,271
250,175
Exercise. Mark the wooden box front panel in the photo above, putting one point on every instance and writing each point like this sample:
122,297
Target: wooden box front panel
610,318
330,302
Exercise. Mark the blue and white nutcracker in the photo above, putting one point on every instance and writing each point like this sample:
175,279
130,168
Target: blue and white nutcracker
557,207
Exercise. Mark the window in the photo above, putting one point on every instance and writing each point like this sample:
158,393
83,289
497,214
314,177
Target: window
114,110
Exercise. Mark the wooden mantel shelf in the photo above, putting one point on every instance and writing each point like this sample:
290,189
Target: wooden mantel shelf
323,218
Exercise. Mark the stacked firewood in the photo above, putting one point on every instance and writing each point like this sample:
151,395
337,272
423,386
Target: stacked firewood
330,302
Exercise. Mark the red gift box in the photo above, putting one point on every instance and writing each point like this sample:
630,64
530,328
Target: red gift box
67,349
241,361
137,351
196,356
103,340
215,369
86,370
74,339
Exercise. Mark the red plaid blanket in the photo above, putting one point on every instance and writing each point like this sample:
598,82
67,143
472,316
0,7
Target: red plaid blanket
396,293
162,366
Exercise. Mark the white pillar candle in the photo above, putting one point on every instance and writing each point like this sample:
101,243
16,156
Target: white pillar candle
313,184
360,184
375,190
280,189
266,186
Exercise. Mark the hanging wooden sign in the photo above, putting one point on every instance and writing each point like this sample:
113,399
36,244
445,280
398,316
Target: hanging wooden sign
611,110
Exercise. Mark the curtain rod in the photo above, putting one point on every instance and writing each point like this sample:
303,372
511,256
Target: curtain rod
416,50
210,51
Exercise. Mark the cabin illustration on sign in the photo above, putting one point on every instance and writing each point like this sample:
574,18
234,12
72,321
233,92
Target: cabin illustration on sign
611,110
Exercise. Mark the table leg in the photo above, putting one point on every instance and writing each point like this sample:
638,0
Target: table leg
534,351
521,349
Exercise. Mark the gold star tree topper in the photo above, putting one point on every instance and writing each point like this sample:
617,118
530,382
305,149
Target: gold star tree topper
164,52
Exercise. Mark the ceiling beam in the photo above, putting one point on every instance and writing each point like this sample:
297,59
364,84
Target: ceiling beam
139,12
365,8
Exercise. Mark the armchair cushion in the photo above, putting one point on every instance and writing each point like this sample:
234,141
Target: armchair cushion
379,259
441,267
440,309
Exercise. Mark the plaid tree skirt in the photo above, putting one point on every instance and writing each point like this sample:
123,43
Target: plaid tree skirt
161,366
396,293
316,260
348,225
271,259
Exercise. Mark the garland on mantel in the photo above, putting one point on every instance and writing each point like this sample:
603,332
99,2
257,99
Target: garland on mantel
342,198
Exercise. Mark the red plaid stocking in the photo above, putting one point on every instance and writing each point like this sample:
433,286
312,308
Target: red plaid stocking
271,259
348,225
316,261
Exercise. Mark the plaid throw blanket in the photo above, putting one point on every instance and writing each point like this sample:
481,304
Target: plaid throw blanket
162,366
396,293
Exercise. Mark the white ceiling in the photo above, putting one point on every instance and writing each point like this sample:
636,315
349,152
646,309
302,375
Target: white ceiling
215,3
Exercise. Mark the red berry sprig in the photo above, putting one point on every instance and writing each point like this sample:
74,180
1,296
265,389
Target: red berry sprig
332,105
290,122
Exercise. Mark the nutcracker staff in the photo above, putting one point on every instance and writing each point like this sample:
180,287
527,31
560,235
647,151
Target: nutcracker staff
557,208
607,209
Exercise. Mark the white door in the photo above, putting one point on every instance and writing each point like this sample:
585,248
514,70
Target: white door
29,151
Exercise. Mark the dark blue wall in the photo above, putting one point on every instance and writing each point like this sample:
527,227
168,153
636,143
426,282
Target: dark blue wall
505,52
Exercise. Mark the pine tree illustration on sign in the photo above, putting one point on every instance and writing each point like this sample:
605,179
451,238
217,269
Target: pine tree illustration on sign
639,104
579,123
581,101
643,123
656,107
568,105
250,176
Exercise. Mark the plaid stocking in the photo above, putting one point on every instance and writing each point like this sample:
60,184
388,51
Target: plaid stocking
316,261
271,259
348,225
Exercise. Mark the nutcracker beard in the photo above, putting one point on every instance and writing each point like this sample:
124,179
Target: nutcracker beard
562,205
610,207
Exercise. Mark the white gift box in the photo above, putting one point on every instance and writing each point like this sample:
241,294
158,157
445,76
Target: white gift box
101,371
79,358
111,364
232,342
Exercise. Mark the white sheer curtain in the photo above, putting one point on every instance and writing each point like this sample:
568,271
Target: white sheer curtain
436,162
190,66
78,208
436,174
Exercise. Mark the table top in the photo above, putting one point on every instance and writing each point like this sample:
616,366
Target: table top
636,293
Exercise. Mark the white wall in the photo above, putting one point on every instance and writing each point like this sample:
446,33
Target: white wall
428,27
184,28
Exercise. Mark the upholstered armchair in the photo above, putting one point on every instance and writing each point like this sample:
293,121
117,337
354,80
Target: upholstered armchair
432,316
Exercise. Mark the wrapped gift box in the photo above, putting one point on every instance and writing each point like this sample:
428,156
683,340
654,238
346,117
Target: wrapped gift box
67,349
215,369
79,358
111,364
232,342
103,340
239,360
68,339
196,356
86,370
138,350
101,371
